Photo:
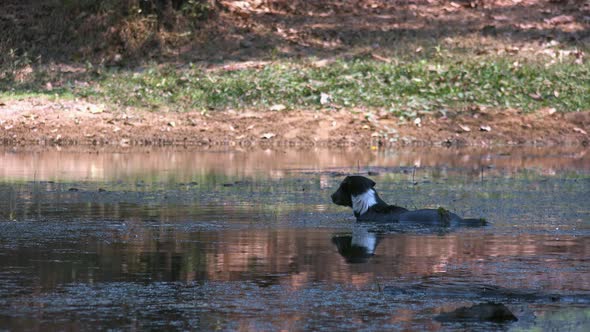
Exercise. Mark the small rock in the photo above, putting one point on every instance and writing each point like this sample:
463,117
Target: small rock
325,98
268,135
278,107
580,130
489,30
95,109
485,128
246,43
73,189
101,190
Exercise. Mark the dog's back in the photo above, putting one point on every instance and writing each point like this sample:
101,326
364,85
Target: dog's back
382,213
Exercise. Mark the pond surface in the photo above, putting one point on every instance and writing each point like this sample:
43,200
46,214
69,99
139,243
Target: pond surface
249,240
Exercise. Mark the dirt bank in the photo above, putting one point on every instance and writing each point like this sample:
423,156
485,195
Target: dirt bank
38,121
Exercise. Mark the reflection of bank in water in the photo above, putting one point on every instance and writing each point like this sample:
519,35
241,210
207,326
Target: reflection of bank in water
186,165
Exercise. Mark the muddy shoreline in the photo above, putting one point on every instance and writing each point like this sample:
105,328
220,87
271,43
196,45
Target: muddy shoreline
39,121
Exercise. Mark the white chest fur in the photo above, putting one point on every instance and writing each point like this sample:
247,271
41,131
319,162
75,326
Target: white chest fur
362,238
361,203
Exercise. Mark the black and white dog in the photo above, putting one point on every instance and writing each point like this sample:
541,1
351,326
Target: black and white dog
357,192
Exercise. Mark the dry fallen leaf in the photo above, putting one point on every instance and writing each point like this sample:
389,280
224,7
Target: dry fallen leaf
465,128
380,58
561,19
172,124
323,63
485,128
535,96
512,49
580,130
500,18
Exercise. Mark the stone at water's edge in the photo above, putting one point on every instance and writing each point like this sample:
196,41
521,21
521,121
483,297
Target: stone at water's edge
492,312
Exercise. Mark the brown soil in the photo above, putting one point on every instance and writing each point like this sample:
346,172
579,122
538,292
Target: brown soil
264,29
36,121
253,29
327,27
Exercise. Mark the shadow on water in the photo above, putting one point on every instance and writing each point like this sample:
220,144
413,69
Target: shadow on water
177,239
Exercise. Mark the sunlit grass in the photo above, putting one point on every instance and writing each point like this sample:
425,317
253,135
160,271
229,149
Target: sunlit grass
402,87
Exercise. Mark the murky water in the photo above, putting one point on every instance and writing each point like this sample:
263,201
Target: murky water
249,240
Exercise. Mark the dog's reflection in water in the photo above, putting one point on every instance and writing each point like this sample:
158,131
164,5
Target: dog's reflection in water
358,246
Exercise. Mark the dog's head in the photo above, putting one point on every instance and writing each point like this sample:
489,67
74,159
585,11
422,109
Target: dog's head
353,185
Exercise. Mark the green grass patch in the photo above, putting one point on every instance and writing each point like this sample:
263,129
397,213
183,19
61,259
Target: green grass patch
405,88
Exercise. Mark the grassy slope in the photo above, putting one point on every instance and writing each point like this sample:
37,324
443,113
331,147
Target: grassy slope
438,79
405,88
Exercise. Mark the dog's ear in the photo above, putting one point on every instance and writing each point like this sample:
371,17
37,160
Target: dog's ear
372,183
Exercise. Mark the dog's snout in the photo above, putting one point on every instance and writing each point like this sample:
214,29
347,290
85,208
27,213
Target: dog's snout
341,196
